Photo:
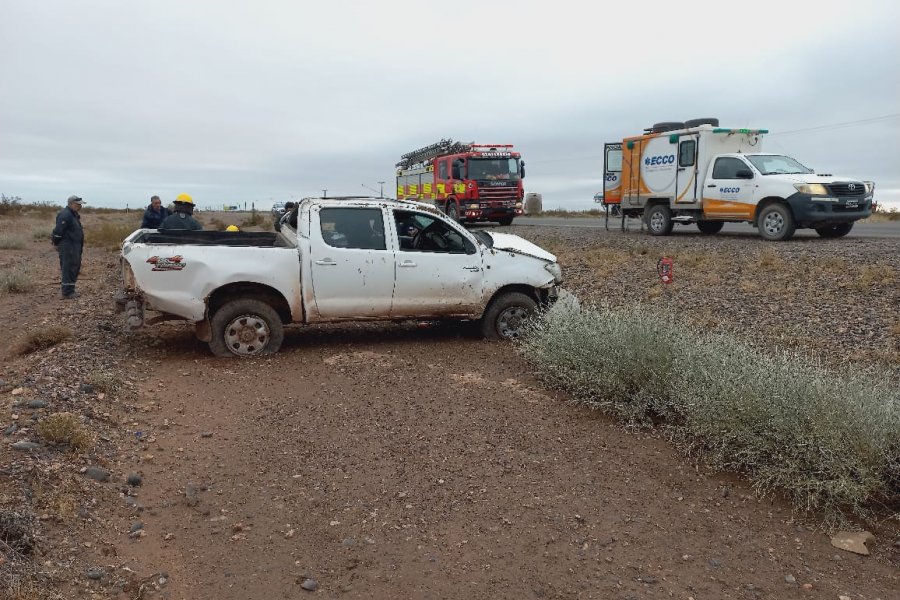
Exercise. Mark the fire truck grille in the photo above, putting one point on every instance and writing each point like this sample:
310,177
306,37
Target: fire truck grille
847,189
499,193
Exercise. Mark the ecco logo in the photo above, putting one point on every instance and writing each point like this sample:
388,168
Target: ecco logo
612,177
729,190
651,161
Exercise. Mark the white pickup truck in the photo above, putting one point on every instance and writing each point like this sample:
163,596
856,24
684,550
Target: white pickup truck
335,259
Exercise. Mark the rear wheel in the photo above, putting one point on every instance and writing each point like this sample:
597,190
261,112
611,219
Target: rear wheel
505,221
659,220
246,328
834,231
506,317
776,223
710,227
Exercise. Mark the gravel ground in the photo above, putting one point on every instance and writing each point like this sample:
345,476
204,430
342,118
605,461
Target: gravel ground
383,461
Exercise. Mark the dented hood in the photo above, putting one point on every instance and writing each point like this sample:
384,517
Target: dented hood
514,243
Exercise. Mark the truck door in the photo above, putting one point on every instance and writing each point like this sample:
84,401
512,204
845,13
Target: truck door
352,269
729,191
439,269
612,173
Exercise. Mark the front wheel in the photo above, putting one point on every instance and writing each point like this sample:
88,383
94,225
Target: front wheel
659,220
453,211
246,328
710,227
506,317
505,221
834,231
776,223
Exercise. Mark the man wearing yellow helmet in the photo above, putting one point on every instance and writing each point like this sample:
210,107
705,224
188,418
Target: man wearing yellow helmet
232,228
181,218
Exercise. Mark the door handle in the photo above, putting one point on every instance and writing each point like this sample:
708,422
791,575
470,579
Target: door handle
326,262
711,185
407,263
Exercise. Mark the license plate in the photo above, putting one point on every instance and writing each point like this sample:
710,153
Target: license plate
852,203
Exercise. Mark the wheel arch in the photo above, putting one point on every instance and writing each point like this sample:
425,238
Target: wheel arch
767,201
538,295
248,289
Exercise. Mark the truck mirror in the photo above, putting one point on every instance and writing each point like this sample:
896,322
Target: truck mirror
522,169
744,174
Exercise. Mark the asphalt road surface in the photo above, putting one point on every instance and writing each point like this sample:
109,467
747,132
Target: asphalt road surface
889,229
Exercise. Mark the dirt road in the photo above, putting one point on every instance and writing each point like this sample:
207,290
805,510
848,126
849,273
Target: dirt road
391,461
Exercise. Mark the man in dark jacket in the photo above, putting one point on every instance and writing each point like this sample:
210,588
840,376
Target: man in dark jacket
68,237
155,214
181,218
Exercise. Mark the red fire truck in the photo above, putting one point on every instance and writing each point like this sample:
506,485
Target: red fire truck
470,182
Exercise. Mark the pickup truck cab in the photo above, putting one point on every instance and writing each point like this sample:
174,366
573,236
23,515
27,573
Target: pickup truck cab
335,259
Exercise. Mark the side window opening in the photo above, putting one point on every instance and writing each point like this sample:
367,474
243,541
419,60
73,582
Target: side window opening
727,168
442,169
361,228
687,152
418,232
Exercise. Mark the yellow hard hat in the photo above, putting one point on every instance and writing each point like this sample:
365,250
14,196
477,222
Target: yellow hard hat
184,198
232,228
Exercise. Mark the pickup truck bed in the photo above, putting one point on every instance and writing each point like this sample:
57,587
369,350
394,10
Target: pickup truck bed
260,239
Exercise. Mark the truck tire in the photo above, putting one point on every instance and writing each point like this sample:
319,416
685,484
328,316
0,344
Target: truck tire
245,328
776,223
505,221
834,231
710,227
666,126
659,220
452,210
704,121
506,316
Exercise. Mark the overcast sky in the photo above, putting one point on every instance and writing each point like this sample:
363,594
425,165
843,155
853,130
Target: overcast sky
265,101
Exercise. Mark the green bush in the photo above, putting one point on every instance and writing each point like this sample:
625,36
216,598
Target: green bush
828,439
108,235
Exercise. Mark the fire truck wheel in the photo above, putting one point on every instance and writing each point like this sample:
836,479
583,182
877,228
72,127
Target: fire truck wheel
452,210
834,231
506,221
507,315
245,328
776,223
659,220
710,227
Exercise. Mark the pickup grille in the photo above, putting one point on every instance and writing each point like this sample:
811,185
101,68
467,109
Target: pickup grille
844,189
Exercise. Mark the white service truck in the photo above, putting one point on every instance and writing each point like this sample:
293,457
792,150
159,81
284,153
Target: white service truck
335,259
697,172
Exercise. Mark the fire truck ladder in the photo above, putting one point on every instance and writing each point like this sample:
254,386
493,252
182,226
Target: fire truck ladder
440,148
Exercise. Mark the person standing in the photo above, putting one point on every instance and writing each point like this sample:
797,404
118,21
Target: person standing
155,214
68,238
181,218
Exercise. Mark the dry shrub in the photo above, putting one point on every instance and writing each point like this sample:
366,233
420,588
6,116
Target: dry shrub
11,242
878,274
769,260
108,235
217,224
105,381
827,438
16,281
66,428
40,339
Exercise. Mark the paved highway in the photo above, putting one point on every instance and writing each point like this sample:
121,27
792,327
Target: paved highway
889,229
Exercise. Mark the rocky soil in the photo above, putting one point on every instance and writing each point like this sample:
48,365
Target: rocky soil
387,461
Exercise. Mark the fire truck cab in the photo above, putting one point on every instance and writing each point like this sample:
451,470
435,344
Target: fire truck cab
469,182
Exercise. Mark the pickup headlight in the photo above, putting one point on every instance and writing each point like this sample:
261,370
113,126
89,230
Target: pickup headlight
813,189
870,186
555,270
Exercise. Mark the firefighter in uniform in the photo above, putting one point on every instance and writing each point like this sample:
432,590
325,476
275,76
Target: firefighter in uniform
68,238
181,218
